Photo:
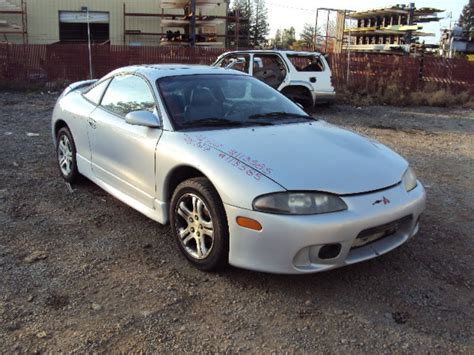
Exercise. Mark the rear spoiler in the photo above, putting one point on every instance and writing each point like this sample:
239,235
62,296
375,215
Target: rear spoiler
78,85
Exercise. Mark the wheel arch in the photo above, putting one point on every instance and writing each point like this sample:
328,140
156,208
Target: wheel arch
298,89
60,123
176,176
195,222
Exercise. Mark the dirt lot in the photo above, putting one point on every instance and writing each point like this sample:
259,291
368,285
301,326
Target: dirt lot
83,272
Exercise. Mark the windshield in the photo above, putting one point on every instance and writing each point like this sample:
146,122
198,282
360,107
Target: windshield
217,100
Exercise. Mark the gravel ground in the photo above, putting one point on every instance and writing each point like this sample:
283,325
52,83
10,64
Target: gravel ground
83,272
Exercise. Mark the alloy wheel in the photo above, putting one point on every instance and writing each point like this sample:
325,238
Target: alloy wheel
194,226
65,158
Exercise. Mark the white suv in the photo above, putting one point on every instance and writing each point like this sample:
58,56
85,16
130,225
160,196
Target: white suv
304,77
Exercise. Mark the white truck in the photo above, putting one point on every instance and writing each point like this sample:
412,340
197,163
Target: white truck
304,77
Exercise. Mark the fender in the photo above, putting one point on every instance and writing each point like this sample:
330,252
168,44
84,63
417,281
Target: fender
297,83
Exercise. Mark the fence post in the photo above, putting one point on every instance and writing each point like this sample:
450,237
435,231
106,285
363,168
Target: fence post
348,59
420,71
8,55
368,70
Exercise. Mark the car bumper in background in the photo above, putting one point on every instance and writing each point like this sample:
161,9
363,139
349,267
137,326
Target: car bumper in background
301,244
323,96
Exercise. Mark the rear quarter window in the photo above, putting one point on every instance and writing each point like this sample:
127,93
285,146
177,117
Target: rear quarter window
95,93
309,63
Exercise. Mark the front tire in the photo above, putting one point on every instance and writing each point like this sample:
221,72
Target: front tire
66,155
199,224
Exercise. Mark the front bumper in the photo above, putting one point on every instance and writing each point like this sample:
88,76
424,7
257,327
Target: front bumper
291,244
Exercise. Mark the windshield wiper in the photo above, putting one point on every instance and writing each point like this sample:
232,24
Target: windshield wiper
223,122
212,122
279,114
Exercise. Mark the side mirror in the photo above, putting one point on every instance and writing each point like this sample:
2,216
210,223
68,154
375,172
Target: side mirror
142,118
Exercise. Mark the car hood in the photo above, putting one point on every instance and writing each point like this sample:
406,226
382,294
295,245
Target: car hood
310,156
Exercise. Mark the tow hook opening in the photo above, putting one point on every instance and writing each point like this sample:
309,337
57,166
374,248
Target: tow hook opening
329,251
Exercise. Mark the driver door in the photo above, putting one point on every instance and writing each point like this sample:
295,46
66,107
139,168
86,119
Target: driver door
237,61
123,155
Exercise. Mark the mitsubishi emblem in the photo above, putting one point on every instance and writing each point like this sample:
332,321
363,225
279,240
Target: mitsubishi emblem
384,200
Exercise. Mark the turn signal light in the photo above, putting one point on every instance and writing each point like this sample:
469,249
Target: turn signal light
249,223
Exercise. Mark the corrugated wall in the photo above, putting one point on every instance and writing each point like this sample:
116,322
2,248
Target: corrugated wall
43,18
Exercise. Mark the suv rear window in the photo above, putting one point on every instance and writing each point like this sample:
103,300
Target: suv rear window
309,63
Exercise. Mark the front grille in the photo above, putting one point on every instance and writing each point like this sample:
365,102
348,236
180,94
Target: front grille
374,234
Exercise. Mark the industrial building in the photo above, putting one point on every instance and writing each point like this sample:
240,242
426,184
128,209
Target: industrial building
117,22
389,29
458,41
455,42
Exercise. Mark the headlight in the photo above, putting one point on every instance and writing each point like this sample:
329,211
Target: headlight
299,203
409,179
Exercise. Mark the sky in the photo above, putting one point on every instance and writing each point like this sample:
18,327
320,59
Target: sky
287,13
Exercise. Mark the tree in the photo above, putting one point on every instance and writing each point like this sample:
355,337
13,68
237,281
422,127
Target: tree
298,46
277,39
288,37
259,24
466,20
284,39
307,37
244,9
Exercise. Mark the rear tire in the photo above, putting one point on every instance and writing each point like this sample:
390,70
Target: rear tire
66,155
300,95
199,224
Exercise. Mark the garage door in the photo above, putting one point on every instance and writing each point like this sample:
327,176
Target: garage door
73,26
81,17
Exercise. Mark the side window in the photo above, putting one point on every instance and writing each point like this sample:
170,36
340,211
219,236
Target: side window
95,94
269,68
242,62
128,93
310,63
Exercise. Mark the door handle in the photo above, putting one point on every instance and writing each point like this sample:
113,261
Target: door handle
312,79
92,123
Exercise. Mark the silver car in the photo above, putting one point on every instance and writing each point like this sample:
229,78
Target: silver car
242,174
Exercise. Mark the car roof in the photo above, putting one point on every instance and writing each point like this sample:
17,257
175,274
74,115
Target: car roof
274,51
157,71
